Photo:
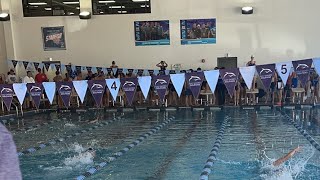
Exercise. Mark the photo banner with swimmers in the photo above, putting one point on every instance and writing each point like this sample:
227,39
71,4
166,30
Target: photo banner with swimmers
149,33
97,89
65,91
35,90
230,79
266,73
160,84
198,31
195,80
129,86
302,68
6,92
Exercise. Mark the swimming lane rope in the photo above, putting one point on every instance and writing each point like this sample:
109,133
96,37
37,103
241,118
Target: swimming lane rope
302,131
213,154
118,154
55,141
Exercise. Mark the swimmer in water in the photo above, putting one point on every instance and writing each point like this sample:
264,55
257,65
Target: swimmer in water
286,157
91,151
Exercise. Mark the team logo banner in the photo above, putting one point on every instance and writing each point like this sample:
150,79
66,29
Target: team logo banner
145,83
195,80
81,88
316,63
53,38
97,88
266,73
20,90
247,74
113,86
35,90
129,86
65,90
160,84
283,70
302,68
50,90
6,92
230,78
178,82
212,79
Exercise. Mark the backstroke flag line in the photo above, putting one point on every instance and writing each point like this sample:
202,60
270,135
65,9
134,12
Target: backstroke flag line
178,82
20,89
81,88
212,79
113,86
145,83
50,89
283,70
247,74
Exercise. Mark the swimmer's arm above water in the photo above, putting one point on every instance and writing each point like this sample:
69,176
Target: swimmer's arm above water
286,157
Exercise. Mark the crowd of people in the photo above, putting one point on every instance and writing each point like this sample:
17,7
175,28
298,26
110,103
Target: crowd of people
152,31
277,93
201,30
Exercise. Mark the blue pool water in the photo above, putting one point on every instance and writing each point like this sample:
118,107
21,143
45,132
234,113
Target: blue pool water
252,140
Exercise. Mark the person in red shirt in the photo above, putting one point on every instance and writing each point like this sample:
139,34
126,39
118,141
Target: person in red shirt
41,76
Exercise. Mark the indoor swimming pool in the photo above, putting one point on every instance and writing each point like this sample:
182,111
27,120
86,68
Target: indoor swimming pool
174,145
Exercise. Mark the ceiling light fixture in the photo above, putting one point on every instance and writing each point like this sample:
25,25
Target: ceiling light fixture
102,2
48,9
4,17
122,12
85,15
38,3
74,2
247,10
117,7
140,0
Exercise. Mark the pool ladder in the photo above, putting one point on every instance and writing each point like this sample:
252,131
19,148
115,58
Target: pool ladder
14,101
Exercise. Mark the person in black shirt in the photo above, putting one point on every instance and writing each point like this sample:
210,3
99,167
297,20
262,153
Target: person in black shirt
162,65
252,62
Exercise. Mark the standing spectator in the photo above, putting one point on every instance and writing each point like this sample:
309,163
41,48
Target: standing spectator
113,65
90,75
58,78
67,78
252,62
41,76
28,78
12,78
162,65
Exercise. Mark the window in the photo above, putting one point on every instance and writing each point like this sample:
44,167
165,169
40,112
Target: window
34,8
120,6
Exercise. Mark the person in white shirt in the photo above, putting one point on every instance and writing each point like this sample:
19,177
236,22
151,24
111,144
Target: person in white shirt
12,78
28,78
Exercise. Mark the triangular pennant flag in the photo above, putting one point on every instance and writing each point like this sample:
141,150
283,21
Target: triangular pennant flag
172,72
129,86
135,71
113,86
6,93
47,65
151,72
41,65
266,73
167,72
140,72
212,79
125,71
25,64
129,70
302,68
36,65
284,69
195,80
14,63
88,68
156,72
78,68
20,89
114,70
160,84
58,66
73,68
145,84
97,88
81,88
109,70
119,71
94,70
62,68
52,66
65,90
230,79
247,74
50,90
83,68
35,90
178,82
99,69
68,68
316,63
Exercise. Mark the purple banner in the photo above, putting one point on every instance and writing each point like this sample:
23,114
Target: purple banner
129,86
160,84
65,90
230,78
302,68
97,89
35,90
6,92
266,72
195,80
